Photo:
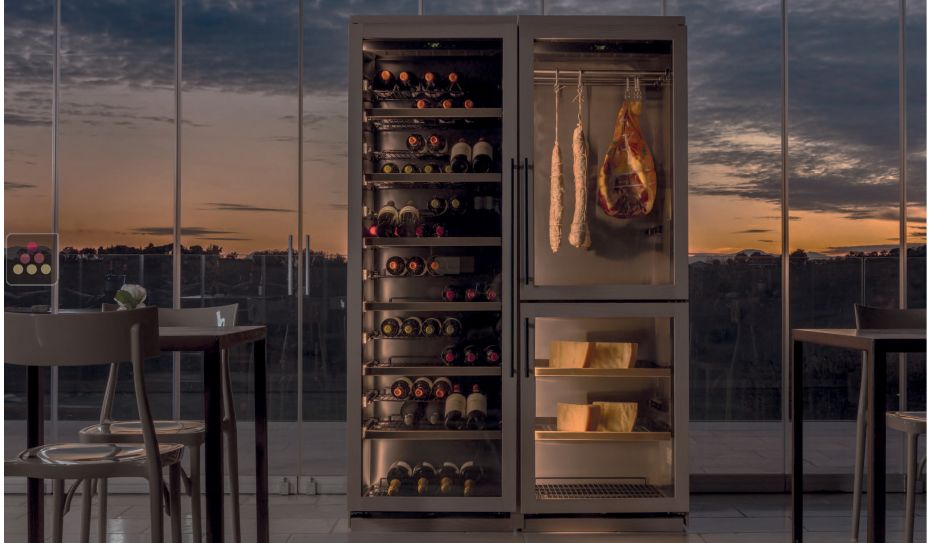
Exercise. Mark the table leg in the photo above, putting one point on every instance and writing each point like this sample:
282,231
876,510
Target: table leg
35,430
876,432
796,379
261,441
213,467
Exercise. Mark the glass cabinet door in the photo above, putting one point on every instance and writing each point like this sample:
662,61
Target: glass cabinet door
604,408
603,218
433,419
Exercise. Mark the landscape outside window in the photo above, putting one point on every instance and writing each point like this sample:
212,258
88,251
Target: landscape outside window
239,192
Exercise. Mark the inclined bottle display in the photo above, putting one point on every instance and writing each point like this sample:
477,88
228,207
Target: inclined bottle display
408,80
399,473
441,388
424,474
471,473
448,475
389,167
476,407
483,156
422,388
390,327
401,388
409,168
455,409
411,327
461,157
411,412
384,81
430,84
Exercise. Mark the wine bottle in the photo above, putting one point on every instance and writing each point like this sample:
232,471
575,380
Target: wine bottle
468,103
431,168
441,388
411,327
471,472
450,356
436,143
411,412
408,218
448,475
429,82
439,230
471,294
395,266
451,293
438,205
415,143
416,266
447,168
423,103
390,327
399,473
384,81
434,413
389,167
435,266
457,204
448,103
451,327
470,355
401,388
492,355
424,474
461,157
476,407
409,168
455,409
455,89
408,80
431,327
422,388
483,156
386,219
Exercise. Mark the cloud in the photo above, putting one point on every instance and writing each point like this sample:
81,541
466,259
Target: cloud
13,185
196,231
754,231
226,206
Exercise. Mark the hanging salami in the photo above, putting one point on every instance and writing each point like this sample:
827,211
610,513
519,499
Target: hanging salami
626,182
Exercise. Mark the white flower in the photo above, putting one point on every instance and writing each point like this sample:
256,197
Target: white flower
130,296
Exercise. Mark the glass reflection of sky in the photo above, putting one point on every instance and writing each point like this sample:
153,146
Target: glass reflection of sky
239,133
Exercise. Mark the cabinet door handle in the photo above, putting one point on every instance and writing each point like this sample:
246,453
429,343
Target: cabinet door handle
526,220
526,345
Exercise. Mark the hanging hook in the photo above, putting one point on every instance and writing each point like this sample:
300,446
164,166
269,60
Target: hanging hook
579,95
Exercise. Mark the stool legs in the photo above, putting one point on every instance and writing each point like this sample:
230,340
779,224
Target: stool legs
858,474
102,498
196,523
910,499
58,510
232,447
174,509
87,496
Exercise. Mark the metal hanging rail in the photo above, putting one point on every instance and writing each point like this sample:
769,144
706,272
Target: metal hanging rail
603,77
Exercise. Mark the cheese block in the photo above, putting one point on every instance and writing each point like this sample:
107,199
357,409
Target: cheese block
612,355
569,354
615,416
576,418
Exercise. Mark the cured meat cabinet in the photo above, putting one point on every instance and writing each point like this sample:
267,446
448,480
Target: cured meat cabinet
518,343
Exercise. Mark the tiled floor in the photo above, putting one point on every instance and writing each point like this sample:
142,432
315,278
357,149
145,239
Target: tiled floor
715,518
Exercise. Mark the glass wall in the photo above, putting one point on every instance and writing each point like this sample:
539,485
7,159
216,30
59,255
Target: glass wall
241,206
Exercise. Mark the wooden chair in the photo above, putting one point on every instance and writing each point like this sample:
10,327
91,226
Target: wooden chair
875,318
84,339
189,433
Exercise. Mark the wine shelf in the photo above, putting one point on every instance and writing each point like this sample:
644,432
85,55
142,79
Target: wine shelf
541,369
400,179
374,114
434,242
397,430
438,307
545,431
595,491
430,370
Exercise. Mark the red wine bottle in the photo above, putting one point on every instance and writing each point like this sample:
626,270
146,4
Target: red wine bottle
451,356
395,266
470,355
422,388
492,355
483,156
451,293
416,266
384,81
442,387
415,143
476,407
401,388
455,409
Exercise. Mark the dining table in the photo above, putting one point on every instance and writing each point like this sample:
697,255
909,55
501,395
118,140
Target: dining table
211,341
876,344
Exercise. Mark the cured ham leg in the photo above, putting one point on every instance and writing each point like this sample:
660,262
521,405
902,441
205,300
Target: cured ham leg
626,182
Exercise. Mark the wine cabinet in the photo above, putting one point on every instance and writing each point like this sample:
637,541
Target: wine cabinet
517,325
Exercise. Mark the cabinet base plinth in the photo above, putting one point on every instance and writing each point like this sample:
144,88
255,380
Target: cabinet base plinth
603,523
406,522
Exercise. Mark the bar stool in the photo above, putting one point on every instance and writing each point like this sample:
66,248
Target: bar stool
189,433
875,318
914,424
85,339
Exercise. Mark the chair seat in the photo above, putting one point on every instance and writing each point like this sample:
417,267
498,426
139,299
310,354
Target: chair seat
185,432
911,422
88,460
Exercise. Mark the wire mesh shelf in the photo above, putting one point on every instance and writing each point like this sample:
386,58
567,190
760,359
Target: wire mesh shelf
596,491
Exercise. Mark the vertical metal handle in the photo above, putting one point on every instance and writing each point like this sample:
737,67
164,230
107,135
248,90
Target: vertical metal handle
526,345
307,266
526,220
290,264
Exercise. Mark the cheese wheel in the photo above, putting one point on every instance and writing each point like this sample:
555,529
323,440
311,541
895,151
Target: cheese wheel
615,416
612,355
569,354
576,418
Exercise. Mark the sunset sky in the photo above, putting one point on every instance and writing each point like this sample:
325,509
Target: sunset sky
239,141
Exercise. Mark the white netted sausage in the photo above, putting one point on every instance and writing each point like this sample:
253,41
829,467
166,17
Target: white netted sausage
579,236
556,207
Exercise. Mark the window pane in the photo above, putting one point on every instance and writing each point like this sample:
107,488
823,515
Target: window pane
117,178
734,172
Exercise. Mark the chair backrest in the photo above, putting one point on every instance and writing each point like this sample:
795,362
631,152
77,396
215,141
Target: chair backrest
878,318
78,339
199,316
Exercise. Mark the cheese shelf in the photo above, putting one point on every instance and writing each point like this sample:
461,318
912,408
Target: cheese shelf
545,431
428,370
461,241
541,369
